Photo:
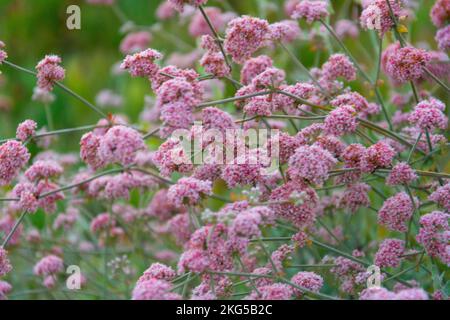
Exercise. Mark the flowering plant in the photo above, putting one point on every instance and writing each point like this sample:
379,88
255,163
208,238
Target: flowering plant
246,176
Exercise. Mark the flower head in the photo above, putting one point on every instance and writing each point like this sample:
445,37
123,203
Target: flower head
49,71
310,10
13,157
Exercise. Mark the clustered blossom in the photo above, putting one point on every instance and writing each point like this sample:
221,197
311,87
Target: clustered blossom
440,13
405,64
26,130
180,4
13,157
379,293
188,190
428,115
346,28
310,10
3,54
377,15
401,173
379,155
340,121
442,196
135,42
5,265
253,67
311,163
244,36
49,267
338,65
396,212
443,38
307,280
355,196
142,64
434,235
389,253
285,31
49,71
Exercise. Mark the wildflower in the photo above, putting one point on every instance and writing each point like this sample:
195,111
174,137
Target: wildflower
3,54
428,115
434,235
442,196
285,31
396,212
440,13
199,26
389,253
338,65
311,163
346,28
443,38
5,265
135,42
158,271
119,145
244,36
13,157
142,64
253,67
405,64
307,280
402,173
214,63
310,10
276,291
188,190
377,15
378,155
354,99
43,169
154,289
26,130
341,120
49,71
355,196
180,4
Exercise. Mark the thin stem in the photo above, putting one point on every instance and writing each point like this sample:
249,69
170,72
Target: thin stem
408,160
14,229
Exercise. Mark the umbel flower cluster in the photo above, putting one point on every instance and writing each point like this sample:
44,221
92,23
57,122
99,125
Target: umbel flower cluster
361,181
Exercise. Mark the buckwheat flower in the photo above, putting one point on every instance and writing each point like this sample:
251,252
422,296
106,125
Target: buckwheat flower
158,271
48,202
177,90
285,31
269,78
142,64
341,120
354,99
311,163
194,260
171,157
244,170
13,157
427,115
406,64
165,11
119,145
338,65
49,265
102,222
310,10
259,106
135,42
5,265
402,173
443,38
441,196
389,253
89,145
214,63
276,291
49,71
199,26
43,169
5,288
215,118
188,191
377,15
376,293
355,196
440,13
66,220
244,36
396,212
308,280
300,239
3,54
180,4
434,235
154,289
175,115
209,43
28,201
378,155
26,130
254,66
411,294
246,224
297,203
346,28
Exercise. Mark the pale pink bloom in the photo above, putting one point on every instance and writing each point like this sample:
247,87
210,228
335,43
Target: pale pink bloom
440,13
310,10
378,155
308,280
188,191
402,173
355,196
354,99
286,31
142,64
276,291
442,196
154,289
244,36
199,26
3,54
346,28
341,120
434,235
49,71
165,10
135,42
158,271
49,265
253,67
43,169
428,115
443,38
5,265
26,130
396,212
5,288
179,5
377,15
389,253
338,65
13,157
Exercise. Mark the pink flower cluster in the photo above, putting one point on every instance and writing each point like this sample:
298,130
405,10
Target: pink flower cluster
434,235
389,253
49,71
13,157
3,54
396,212
310,10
